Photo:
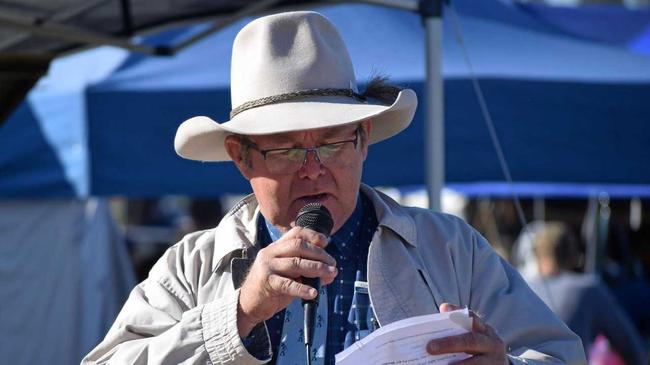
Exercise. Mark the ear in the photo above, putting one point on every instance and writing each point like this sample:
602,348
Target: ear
234,149
367,127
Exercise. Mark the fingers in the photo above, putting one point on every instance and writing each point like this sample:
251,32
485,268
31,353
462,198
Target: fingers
291,287
296,257
295,267
483,342
470,343
447,307
477,323
274,278
311,236
303,243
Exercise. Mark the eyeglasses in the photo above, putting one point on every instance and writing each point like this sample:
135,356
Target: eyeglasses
290,160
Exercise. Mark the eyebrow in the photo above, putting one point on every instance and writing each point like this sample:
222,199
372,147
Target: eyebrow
332,133
280,139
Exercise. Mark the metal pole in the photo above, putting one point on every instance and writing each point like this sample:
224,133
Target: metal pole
127,17
58,31
66,14
431,11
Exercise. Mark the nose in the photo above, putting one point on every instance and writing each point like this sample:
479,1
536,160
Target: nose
311,167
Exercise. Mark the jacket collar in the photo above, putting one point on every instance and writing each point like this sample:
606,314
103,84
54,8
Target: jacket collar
237,231
392,215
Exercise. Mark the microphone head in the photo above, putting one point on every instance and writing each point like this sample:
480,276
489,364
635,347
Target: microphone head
316,217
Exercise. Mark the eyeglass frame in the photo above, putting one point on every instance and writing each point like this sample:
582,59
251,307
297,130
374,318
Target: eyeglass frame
248,143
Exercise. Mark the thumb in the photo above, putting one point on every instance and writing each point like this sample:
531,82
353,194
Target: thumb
446,307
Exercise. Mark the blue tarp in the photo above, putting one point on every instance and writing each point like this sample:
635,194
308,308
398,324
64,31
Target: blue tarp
567,109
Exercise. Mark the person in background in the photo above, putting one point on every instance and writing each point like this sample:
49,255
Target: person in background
581,300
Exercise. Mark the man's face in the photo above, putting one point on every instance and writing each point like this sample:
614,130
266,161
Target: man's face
333,183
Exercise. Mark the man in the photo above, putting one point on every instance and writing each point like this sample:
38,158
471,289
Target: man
299,133
581,300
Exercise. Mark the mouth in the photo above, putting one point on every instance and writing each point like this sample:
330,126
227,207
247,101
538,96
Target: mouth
315,198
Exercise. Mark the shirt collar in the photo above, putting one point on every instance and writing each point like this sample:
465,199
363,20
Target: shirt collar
346,238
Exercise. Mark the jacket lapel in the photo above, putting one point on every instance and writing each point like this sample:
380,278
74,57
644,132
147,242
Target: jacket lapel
236,233
397,287
398,283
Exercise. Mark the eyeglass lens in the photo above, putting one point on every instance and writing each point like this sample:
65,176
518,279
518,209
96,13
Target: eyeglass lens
292,159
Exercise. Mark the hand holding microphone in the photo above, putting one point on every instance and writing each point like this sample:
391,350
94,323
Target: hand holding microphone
275,277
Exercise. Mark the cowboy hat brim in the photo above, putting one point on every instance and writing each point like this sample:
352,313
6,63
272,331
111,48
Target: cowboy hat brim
202,139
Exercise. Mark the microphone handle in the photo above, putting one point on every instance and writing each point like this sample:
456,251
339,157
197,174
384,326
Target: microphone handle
309,310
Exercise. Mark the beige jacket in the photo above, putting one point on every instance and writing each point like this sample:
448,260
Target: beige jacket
185,311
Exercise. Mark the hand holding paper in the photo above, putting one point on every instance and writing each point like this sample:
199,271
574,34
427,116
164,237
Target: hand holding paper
405,342
449,336
482,342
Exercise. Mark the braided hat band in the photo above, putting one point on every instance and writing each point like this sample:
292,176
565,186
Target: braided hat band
295,96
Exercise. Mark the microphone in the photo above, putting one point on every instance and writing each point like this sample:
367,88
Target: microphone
315,217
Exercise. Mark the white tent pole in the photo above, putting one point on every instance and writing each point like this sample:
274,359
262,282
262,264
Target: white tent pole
434,99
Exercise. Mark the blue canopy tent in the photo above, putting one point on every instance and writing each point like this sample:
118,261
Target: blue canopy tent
570,114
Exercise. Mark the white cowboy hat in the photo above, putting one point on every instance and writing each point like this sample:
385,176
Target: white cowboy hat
290,72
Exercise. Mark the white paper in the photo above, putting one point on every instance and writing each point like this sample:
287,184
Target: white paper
404,342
